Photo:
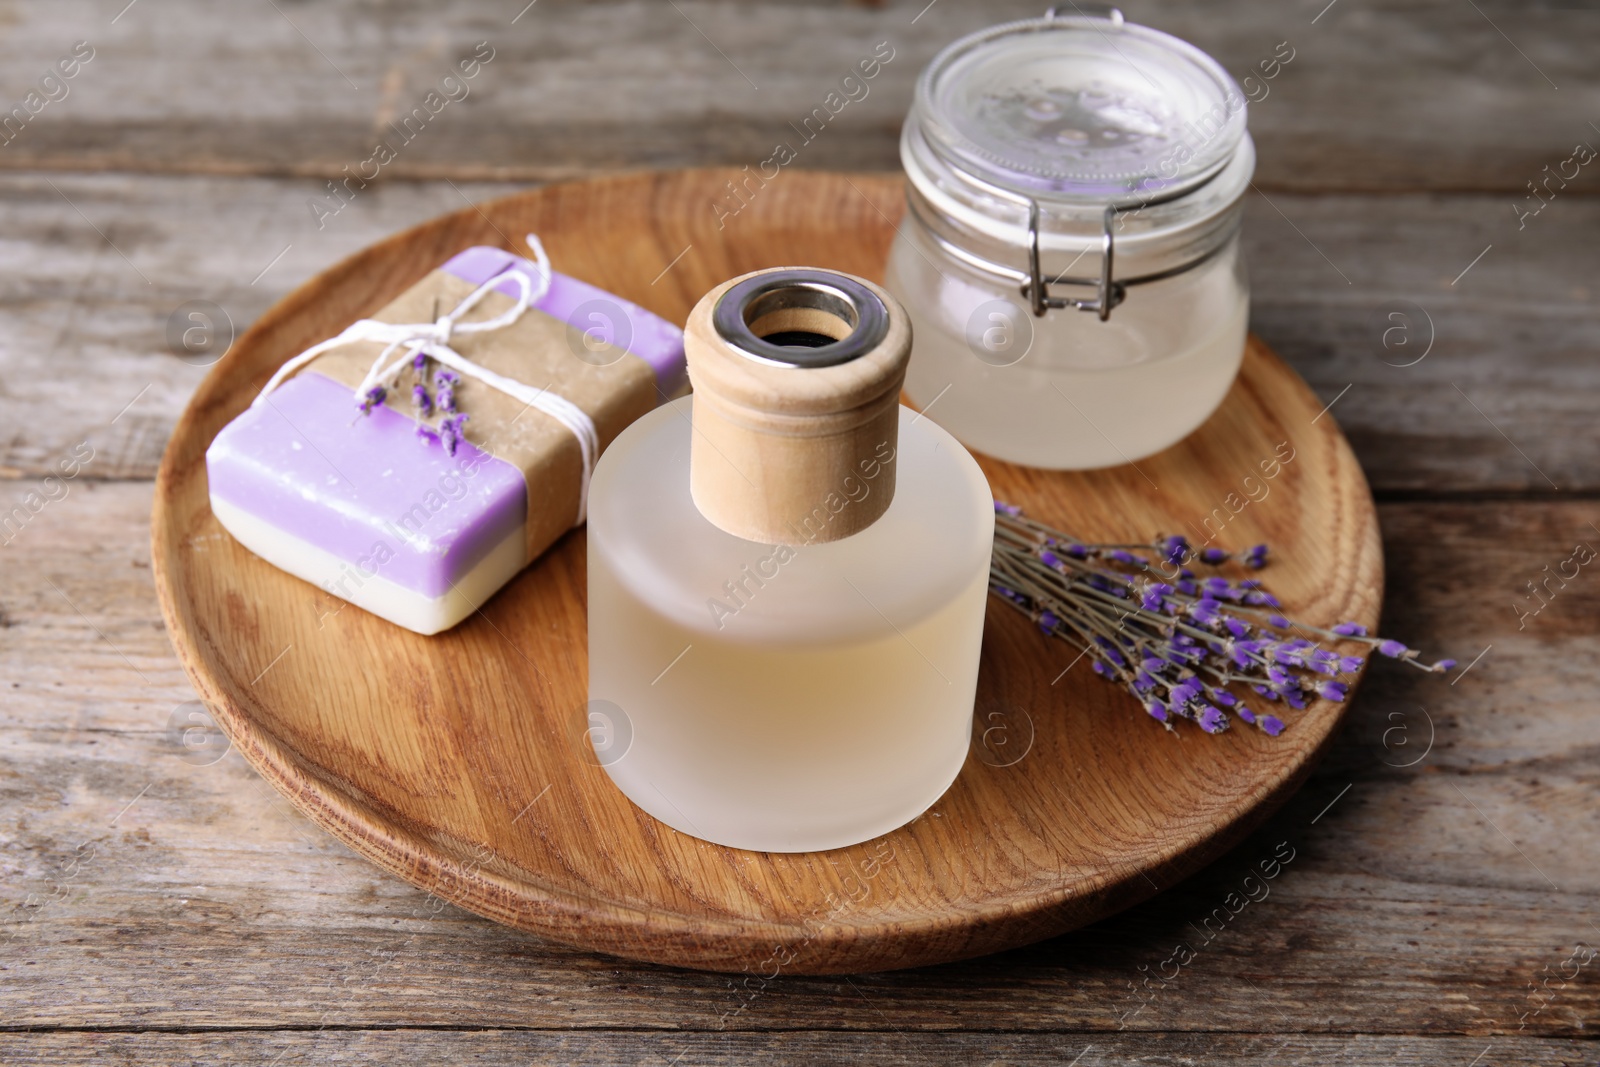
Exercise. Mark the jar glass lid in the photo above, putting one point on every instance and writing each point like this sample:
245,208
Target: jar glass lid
1081,108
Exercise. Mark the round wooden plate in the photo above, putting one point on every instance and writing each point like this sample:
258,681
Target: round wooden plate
456,761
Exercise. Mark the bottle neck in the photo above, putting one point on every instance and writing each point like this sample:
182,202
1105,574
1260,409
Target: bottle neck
783,435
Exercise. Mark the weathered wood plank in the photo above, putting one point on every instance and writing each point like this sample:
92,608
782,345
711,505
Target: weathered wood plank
1399,96
1503,400
1421,901
808,1048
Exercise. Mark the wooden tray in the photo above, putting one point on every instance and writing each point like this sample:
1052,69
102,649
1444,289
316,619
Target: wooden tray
455,761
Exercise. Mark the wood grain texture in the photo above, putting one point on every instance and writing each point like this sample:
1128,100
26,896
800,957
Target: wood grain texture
1516,335
810,1049
747,417
212,905
1419,96
210,902
427,757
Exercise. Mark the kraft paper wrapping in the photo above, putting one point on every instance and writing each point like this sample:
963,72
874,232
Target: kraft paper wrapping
537,349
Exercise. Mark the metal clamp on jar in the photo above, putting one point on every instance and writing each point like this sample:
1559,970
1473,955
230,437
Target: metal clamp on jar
1064,165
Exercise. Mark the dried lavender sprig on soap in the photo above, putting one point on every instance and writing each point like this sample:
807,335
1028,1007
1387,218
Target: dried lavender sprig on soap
1176,641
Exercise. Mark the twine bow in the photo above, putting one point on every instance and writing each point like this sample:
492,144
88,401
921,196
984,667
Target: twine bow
433,339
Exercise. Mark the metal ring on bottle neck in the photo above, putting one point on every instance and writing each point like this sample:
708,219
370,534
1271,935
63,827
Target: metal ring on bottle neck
835,295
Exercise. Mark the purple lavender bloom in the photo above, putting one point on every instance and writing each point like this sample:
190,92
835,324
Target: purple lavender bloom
1205,611
1157,710
1175,548
1049,559
1143,682
425,435
419,361
1213,556
1350,664
1218,586
1007,509
1100,668
1186,586
450,432
1124,556
1279,621
1256,557
421,400
1110,652
1271,724
1236,627
1263,691
1393,649
1154,665
1077,552
374,398
1333,691
1444,665
1210,719
1256,598
1048,621
1350,629
1246,714
1223,697
1294,699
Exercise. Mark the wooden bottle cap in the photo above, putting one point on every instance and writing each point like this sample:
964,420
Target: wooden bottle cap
797,376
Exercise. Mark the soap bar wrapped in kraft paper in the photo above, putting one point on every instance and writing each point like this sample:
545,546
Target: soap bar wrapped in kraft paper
415,463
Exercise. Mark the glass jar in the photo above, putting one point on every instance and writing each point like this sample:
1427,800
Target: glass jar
1070,254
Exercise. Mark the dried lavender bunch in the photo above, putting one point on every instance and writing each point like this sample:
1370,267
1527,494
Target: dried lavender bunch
449,432
1176,641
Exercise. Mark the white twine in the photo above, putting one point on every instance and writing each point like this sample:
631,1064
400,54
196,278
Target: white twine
433,339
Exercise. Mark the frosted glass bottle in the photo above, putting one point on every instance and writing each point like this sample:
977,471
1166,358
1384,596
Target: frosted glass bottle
787,579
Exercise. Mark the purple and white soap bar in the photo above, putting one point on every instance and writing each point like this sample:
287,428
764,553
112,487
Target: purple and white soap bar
361,507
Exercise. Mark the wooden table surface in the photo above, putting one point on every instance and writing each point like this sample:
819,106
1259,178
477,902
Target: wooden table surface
163,905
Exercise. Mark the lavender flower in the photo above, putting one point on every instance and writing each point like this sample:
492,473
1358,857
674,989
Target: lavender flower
421,400
1176,645
450,432
373,398
444,382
